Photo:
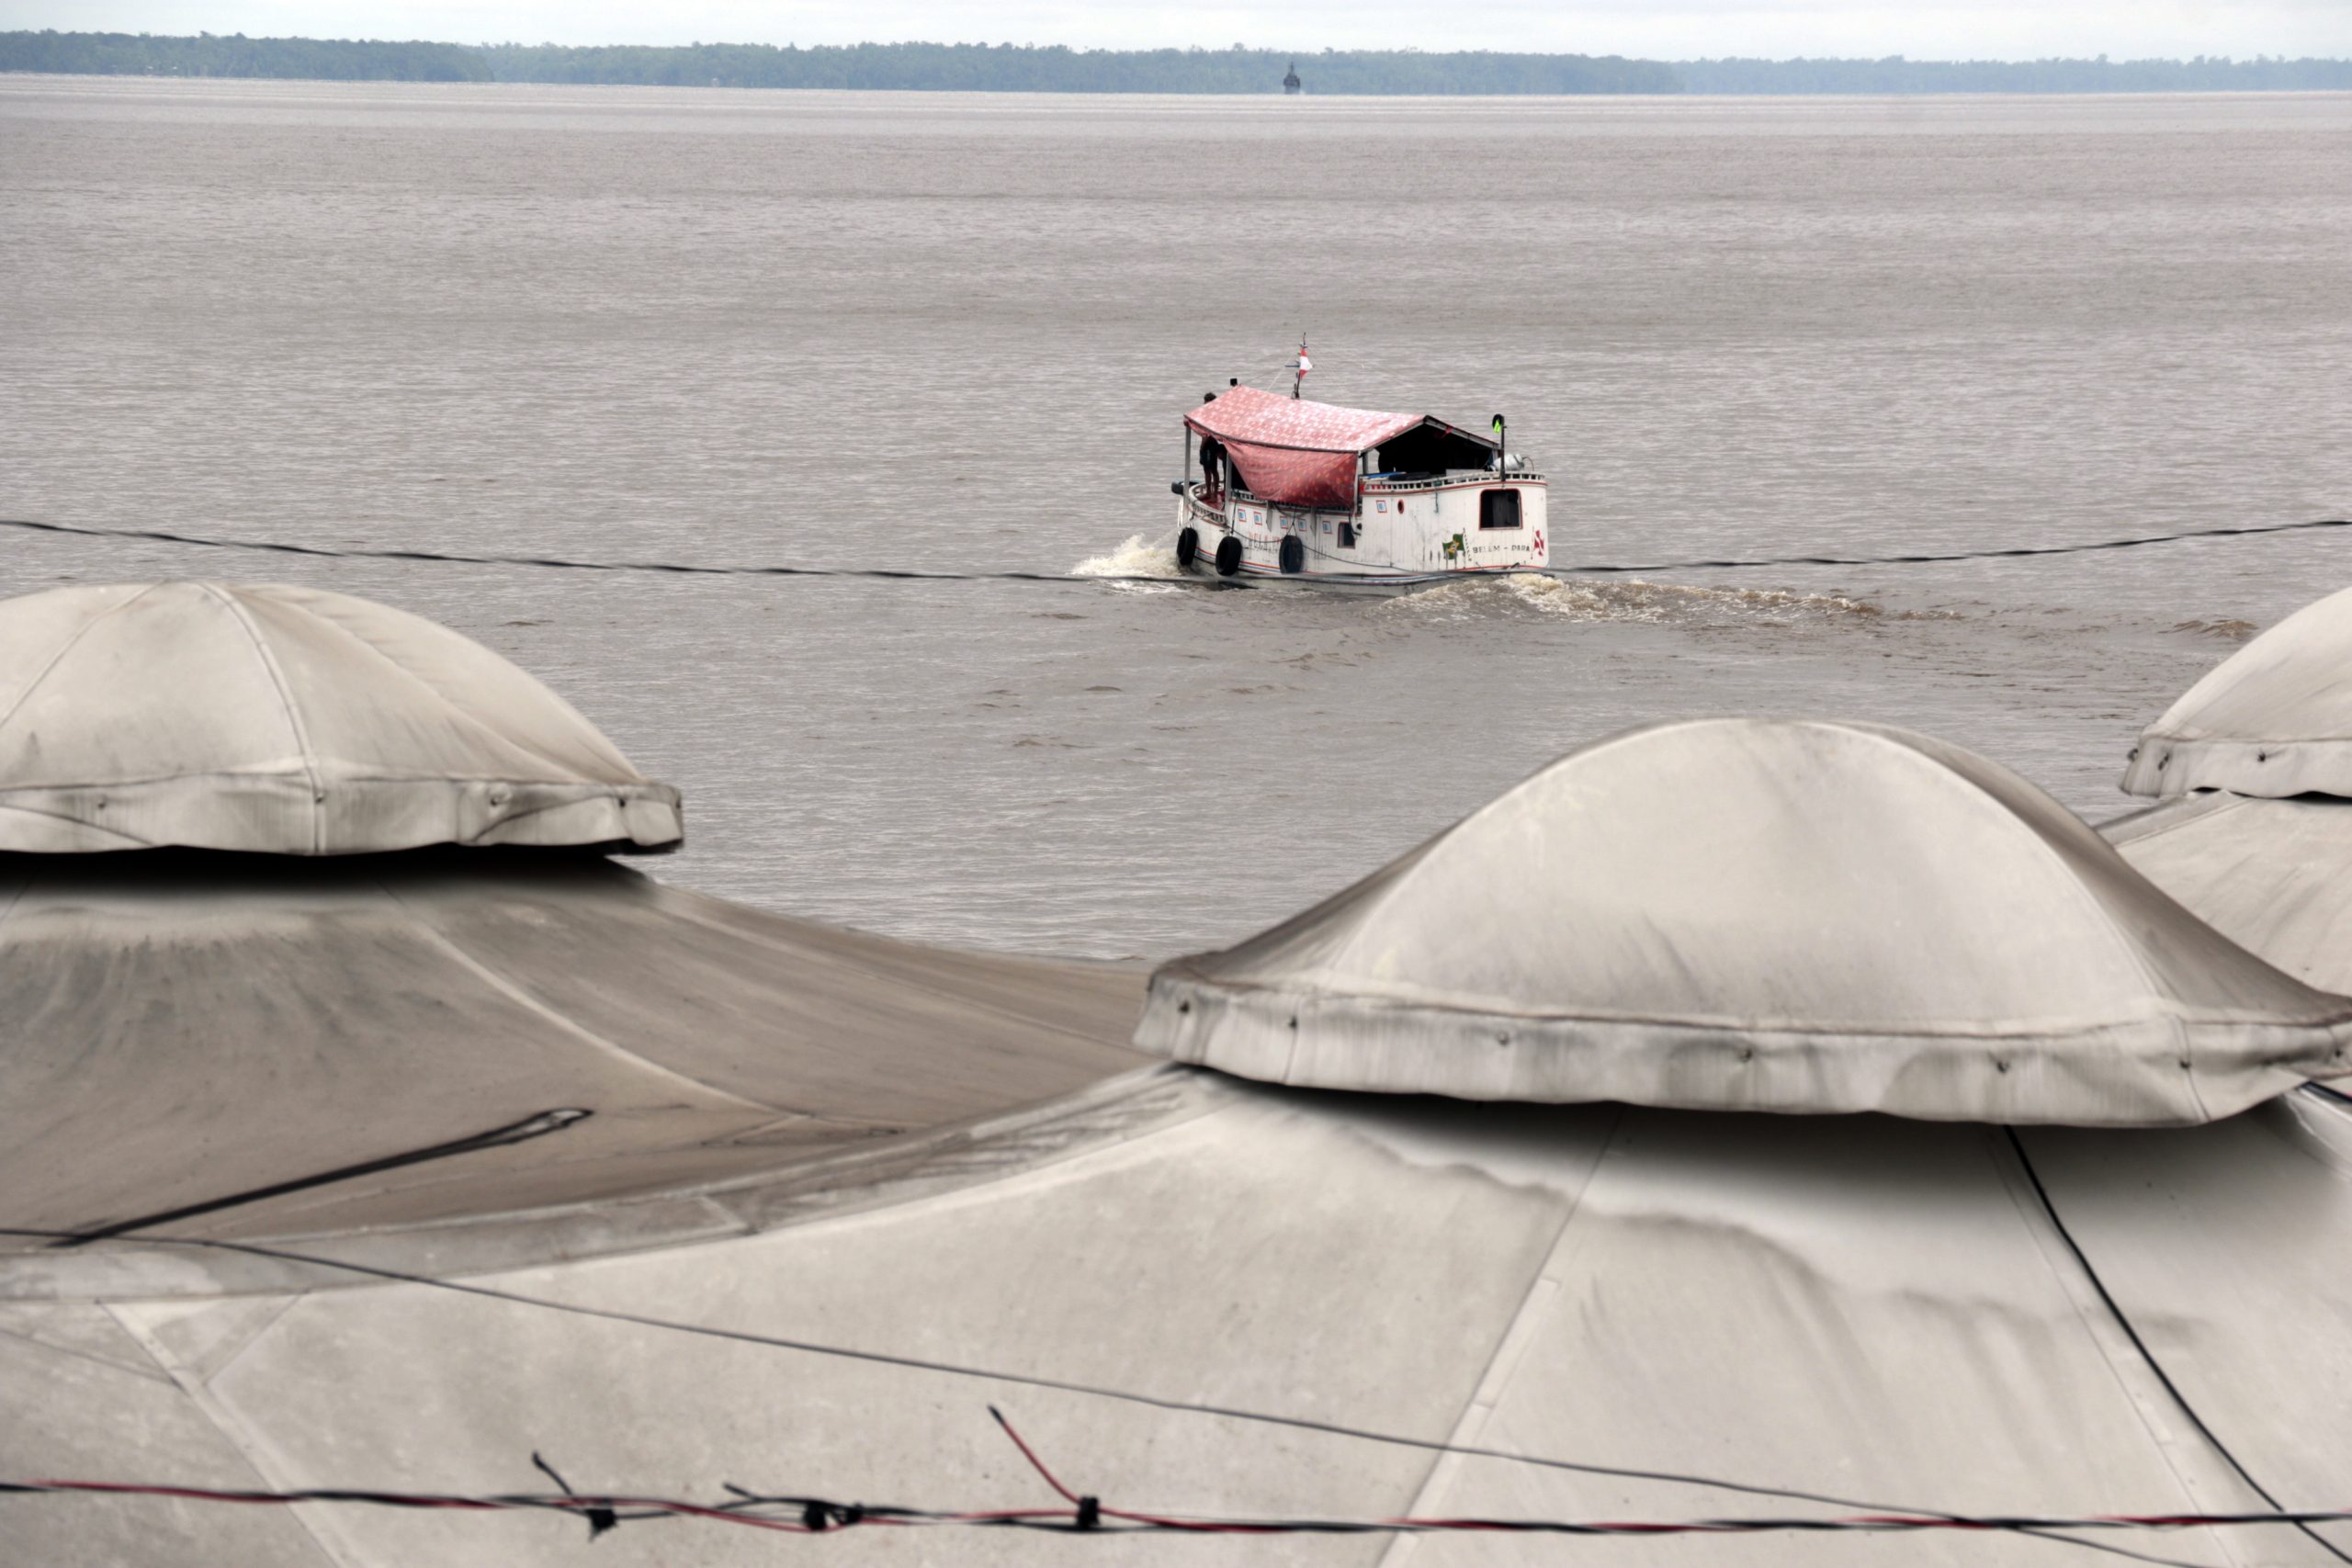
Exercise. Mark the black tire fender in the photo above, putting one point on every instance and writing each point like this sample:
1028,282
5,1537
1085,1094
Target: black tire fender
1188,547
1228,555
1294,554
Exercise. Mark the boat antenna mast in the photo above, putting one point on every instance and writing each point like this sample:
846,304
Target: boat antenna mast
1299,366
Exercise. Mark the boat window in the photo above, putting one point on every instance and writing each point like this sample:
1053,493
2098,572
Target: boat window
1433,448
1347,535
1499,508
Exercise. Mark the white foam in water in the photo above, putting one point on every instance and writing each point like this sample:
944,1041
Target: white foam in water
1626,599
1631,599
1138,556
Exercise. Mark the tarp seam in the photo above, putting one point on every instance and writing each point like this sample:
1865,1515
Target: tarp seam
293,717
232,1431
2148,1358
515,991
1461,1433
73,641
456,705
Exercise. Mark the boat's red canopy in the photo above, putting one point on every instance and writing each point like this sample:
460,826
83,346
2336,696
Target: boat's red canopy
1297,453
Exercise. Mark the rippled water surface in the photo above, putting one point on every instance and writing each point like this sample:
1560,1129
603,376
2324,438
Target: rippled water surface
958,333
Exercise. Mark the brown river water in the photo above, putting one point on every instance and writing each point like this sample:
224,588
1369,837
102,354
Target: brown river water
958,333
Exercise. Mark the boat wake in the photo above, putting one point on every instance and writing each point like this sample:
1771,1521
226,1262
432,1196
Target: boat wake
2224,631
1628,599
1138,556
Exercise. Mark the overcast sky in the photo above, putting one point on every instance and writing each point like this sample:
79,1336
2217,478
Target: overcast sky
1672,29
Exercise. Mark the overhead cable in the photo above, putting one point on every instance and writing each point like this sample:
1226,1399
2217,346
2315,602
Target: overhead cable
2130,542
909,574
530,1127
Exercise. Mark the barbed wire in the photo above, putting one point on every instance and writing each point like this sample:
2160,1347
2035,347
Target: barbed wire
980,1374
1073,1519
1084,1513
910,574
1065,1385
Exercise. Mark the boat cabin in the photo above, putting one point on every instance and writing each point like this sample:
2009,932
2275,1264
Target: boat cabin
1287,488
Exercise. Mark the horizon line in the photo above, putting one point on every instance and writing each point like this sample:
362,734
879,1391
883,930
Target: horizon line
2104,57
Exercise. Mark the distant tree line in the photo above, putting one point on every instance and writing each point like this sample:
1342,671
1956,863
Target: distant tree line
978,67
972,67
315,59
1897,74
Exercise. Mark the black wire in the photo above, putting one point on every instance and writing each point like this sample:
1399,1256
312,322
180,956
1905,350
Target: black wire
530,1127
2017,550
819,1514
1060,1386
2124,1321
565,563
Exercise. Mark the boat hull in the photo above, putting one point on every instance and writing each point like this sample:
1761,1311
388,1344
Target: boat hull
1399,538
1387,584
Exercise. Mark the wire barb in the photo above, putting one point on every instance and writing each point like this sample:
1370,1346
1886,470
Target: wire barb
1088,1509
1035,1462
600,1519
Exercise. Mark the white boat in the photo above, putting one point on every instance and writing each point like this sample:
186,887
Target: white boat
1283,489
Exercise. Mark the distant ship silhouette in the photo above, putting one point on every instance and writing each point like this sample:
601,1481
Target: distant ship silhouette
1291,83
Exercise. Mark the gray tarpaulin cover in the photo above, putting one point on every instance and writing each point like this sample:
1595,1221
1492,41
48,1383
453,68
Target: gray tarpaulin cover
179,1029
2254,761
1872,1310
2273,875
1759,914
292,721
810,1137
2273,719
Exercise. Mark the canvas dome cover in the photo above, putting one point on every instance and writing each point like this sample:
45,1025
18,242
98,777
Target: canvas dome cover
2274,719
289,721
1753,914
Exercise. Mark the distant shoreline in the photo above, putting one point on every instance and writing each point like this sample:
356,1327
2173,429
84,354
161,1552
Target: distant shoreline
7,74
1004,68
